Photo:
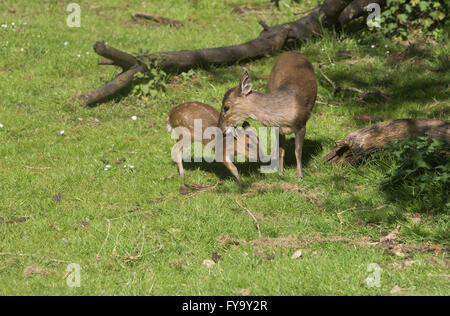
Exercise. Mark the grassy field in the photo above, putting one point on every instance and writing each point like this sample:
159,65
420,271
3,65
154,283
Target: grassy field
131,231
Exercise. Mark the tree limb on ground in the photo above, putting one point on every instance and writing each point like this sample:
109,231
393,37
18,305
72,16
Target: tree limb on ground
356,9
269,41
10,10
365,141
158,19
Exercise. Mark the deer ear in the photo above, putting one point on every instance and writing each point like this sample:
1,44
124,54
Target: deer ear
245,86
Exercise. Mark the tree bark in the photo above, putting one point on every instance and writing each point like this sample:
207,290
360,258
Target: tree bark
269,41
356,9
365,141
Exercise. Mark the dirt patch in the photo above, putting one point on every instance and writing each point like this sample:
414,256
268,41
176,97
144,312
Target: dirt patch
281,242
392,246
252,9
34,269
313,195
14,220
440,263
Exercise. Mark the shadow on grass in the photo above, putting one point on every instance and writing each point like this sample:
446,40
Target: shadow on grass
311,148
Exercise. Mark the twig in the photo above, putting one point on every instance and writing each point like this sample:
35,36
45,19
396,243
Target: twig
16,254
264,25
341,220
36,168
30,255
151,288
251,214
326,103
10,10
142,247
107,236
158,19
114,252
363,93
266,44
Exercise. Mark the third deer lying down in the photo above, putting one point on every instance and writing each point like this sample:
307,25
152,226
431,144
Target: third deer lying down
184,116
293,92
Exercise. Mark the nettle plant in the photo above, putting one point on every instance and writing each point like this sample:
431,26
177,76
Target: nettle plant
400,17
420,168
151,82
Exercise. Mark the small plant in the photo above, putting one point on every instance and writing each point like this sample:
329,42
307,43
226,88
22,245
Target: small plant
150,83
420,170
188,75
399,17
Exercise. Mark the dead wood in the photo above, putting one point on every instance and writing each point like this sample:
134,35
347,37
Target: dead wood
270,40
158,19
365,141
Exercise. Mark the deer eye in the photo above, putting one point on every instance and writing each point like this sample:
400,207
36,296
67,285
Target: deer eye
226,108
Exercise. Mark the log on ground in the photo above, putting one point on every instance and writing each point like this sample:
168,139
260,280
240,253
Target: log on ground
363,142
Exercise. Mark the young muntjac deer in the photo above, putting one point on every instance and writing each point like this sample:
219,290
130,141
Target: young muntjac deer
184,116
291,98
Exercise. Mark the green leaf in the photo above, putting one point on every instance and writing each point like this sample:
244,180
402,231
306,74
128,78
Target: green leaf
423,5
402,17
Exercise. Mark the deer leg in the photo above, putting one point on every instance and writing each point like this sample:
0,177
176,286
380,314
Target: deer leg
282,144
230,166
299,139
179,161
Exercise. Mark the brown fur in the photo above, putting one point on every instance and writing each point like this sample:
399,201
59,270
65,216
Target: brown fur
184,116
291,98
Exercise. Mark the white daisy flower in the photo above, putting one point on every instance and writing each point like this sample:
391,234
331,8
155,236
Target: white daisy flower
134,117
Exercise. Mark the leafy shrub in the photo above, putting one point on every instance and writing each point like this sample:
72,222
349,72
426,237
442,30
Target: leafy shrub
399,17
420,170
150,83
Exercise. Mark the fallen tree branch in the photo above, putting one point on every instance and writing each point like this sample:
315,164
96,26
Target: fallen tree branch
305,11
362,93
365,141
114,86
158,19
270,40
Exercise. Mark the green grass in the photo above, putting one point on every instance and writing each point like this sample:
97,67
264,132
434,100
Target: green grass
40,79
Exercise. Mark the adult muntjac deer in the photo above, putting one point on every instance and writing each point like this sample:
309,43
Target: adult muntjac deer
185,114
292,94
